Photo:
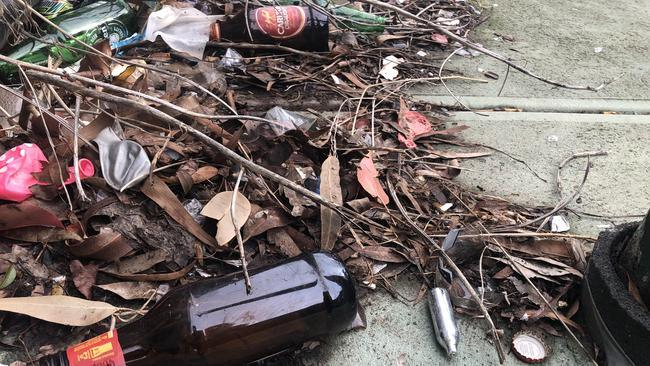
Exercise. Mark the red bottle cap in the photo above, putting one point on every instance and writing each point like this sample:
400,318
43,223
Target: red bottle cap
529,347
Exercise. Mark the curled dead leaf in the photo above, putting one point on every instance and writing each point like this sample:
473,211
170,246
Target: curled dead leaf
108,245
368,178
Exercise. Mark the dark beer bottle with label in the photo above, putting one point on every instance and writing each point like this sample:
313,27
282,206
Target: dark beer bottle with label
214,322
299,27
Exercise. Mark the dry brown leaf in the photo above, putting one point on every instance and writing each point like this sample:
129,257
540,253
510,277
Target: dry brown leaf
219,209
108,245
284,242
171,276
65,310
204,173
330,189
355,80
533,270
137,263
368,178
84,277
94,64
303,241
557,248
263,220
36,234
157,191
131,290
383,254
15,216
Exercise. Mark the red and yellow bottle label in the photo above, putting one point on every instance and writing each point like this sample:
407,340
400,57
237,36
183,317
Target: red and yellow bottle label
281,22
103,350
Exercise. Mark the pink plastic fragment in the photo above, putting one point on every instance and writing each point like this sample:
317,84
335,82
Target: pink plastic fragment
18,165
416,125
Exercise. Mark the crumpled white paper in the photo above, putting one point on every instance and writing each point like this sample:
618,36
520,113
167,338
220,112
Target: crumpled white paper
389,70
184,30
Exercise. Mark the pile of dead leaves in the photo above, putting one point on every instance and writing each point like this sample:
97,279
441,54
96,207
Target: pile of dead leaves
353,182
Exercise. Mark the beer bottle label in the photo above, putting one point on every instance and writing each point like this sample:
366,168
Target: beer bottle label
281,22
104,349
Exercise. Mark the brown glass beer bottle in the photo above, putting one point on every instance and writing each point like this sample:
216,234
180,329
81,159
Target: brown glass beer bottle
214,322
299,27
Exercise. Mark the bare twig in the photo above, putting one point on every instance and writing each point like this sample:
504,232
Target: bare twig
442,66
572,157
454,267
256,46
520,235
240,242
515,159
75,149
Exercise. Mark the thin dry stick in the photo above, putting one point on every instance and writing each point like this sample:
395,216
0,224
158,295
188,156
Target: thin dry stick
567,160
442,66
465,42
520,235
455,268
230,154
240,242
154,161
255,46
480,272
75,149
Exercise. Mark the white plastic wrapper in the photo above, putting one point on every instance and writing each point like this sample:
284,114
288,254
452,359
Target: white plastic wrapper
232,60
184,30
280,121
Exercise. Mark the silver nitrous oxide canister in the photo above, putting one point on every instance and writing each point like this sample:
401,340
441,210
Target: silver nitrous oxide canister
444,321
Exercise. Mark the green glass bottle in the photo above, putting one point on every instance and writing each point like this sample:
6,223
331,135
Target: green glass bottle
113,20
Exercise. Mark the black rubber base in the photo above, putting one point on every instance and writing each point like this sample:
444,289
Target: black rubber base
619,324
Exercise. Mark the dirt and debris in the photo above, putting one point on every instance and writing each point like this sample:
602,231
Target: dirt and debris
254,153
